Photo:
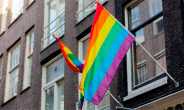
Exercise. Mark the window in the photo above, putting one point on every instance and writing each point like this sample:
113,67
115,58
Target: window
12,72
1,67
140,76
16,8
85,7
145,24
105,104
155,7
3,15
53,85
54,20
28,59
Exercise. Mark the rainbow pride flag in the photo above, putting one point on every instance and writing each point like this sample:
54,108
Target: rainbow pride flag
109,43
72,61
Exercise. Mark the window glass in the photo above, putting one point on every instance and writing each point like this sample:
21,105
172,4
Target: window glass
17,8
3,14
53,86
162,61
12,72
54,20
28,59
143,11
147,35
61,95
55,70
85,7
50,99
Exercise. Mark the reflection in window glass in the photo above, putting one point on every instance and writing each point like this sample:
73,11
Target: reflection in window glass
54,19
86,7
53,86
17,8
50,99
144,68
61,95
55,70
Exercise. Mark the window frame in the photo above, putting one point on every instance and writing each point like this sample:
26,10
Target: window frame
9,71
54,83
28,57
81,14
46,39
19,12
156,81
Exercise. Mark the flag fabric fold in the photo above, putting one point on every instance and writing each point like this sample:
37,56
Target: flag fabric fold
72,61
109,43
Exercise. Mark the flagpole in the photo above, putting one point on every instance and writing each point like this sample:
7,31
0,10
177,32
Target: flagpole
116,100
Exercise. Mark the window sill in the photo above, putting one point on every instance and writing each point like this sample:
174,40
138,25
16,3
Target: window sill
1,33
9,100
30,4
25,89
14,20
146,88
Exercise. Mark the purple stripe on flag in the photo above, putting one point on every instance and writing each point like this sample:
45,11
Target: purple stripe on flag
112,70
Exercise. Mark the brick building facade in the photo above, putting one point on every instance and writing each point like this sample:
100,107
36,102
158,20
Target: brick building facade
33,75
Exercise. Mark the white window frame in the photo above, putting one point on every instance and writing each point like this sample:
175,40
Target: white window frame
81,13
28,57
8,96
131,92
53,83
18,12
4,16
81,57
47,39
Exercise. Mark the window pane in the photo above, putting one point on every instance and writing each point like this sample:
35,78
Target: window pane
86,7
15,57
13,82
28,59
143,11
49,105
61,95
154,44
162,61
54,20
55,70
17,6
151,36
